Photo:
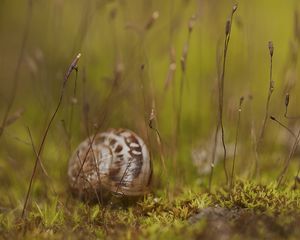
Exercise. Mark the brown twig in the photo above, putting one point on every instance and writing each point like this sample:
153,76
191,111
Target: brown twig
73,66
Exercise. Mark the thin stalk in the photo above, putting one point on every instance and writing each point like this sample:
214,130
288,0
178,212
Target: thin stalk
212,165
73,102
236,140
287,162
221,102
284,126
85,106
183,79
152,121
271,89
72,67
35,152
40,162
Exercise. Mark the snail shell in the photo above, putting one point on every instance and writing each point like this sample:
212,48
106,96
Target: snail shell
115,160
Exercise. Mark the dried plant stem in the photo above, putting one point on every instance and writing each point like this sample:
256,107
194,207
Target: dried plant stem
145,105
287,162
254,145
284,126
15,81
40,162
183,79
98,176
99,200
281,176
73,102
287,101
221,102
253,136
72,67
86,106
35,152
271,89
152,123
214,150
236,141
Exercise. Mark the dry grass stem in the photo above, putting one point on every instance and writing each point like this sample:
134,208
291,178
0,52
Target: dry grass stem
282,125
153,126
183,62
271,89
72,67
221,102
288,160
236,141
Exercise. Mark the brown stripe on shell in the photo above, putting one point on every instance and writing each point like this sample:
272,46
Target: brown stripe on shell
112,141
113,171
114,175
118,149
99,139
137,158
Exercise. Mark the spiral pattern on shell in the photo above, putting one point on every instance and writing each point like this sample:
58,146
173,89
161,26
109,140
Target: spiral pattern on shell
115,160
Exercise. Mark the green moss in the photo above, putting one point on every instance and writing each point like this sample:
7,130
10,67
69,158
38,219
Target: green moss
159,217
258,197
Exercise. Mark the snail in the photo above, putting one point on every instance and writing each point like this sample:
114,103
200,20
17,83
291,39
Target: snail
116,161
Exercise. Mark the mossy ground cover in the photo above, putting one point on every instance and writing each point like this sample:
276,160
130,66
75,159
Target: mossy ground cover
247,211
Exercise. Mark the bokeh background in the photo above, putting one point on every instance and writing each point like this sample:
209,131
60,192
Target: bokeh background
130,64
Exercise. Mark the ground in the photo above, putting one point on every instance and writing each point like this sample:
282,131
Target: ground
247,211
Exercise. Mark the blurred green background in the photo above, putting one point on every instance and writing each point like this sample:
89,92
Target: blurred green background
125,64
